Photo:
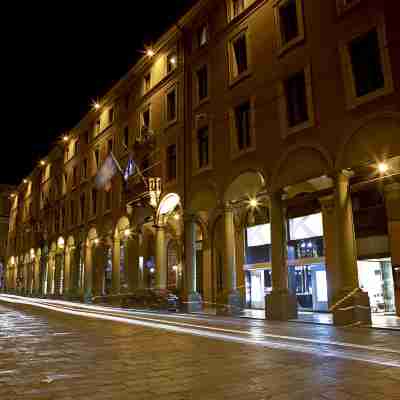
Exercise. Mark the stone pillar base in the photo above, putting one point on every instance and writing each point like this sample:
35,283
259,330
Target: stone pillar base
230,303
280,306
356,309
192,303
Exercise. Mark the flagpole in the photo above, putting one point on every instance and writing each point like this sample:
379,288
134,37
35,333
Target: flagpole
136,165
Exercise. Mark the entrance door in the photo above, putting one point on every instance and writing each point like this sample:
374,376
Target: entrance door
376,278
309,283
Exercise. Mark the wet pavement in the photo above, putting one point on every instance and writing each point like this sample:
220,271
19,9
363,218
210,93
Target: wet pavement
59,350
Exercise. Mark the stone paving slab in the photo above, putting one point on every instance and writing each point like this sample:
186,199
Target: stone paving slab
45,355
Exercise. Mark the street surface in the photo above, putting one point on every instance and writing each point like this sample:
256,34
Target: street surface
61,350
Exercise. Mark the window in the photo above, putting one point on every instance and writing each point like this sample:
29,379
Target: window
98,126
239,63
202,35
146,118
147,82
111,115
125,140
82,204
171,105
76,147
202,83
97,157
242,124
94,201
366,62
172,61
66,153
108,200
296,99
366,66
237,7
296,105
289,17
171,162
86,137
84,168
74,176
202,146
109,145
72,212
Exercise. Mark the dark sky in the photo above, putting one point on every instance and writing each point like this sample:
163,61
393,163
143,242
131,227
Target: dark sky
56,57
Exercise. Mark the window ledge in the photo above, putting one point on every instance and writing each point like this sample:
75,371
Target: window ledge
297,128
236,80
355,102
289,45
199,171
241,153
200,103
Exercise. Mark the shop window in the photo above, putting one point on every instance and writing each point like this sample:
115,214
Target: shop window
366,67
203,147
289,20
171,162
202,83
171,105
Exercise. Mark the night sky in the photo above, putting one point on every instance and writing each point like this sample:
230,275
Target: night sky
56,57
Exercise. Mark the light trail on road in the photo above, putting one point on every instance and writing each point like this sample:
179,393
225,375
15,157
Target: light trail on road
277,342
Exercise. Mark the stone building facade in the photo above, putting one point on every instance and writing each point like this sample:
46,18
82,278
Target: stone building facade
268,133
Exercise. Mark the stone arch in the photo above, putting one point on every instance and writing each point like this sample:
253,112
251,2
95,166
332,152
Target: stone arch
301,163
375,139
246,185
205,198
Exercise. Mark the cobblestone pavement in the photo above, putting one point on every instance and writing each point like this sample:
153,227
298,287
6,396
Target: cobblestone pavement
49,354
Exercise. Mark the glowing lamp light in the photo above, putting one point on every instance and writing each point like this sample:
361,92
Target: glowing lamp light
127,232
175,268
173,60
96,241
150,53
152,270
42,163
253,203
176,217
25,181
96,105
65,138
383,167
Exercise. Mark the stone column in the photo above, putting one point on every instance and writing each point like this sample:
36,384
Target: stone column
36,288
207,274
229,302
192,298
392,199
161,258
330,248
99,265
88,272
116,260
280,304
67,271
351,305
132,262
73,272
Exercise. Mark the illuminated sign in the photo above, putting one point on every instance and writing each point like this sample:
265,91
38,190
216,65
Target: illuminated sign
259,235
306,227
